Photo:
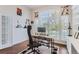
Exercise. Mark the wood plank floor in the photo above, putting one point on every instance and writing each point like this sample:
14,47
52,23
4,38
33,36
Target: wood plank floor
21,46
14,49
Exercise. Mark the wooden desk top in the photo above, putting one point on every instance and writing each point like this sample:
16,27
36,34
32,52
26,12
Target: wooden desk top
42,36
48,38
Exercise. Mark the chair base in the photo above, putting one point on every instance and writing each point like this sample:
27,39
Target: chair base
33,50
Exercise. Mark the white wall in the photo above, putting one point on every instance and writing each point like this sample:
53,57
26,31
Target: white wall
19,34
51,8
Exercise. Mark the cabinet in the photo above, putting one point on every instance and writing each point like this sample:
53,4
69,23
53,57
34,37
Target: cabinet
5,31
72,43
73,46
69,45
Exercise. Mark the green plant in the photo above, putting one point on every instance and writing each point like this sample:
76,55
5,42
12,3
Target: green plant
54,27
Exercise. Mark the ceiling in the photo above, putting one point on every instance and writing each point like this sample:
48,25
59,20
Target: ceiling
39,6
35,6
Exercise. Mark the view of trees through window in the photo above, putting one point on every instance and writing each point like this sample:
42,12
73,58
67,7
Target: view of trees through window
56,27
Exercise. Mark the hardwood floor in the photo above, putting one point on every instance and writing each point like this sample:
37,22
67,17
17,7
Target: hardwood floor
21,46
14,49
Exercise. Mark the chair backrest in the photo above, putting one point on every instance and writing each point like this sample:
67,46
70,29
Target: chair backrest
29,27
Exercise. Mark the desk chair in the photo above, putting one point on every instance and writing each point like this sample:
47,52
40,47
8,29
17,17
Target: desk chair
32,44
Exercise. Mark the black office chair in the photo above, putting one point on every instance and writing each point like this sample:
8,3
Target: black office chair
32,44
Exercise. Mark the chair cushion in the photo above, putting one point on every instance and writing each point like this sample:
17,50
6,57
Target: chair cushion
36,44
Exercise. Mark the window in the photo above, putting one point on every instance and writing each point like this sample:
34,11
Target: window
56,27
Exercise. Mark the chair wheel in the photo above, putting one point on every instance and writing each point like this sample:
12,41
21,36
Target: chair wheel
54,52
55,49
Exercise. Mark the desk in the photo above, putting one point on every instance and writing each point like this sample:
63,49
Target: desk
50,41
42,37
62,42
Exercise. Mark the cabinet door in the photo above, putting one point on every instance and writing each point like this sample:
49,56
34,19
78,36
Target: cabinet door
0,32
6,31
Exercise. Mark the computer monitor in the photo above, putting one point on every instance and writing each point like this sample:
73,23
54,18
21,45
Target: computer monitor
41,29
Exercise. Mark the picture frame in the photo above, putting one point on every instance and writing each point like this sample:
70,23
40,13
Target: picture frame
36,14
76,36
19,11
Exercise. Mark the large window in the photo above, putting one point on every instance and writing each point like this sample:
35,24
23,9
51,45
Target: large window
56,26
